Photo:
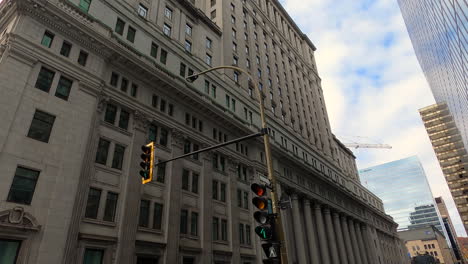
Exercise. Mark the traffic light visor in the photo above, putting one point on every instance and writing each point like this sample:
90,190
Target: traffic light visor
258,189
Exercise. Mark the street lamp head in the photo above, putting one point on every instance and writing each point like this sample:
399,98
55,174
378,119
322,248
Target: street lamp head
191,78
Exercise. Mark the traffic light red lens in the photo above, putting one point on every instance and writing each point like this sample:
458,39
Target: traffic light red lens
259,190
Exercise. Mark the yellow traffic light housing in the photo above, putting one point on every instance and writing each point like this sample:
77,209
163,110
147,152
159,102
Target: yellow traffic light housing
147,163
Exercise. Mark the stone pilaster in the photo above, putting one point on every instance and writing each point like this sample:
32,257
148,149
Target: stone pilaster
347,238
321,235
354,242
331,237
368,243
339,238
298,231
362,249
311,231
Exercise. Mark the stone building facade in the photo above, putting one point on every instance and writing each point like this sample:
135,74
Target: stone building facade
83,84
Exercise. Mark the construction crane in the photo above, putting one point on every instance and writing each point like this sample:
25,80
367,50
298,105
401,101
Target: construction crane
362,145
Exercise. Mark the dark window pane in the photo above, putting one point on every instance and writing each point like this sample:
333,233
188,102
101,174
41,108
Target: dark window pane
93,256
123,120
195,182
239,198
215,228
47,39
171,110
114,79
224,230
119,26
23,186
182,70
246,200
194,224
154,101
131,34
111,111
161,174
185,180
241,233
183,221
84,5
41,126
111,206
124,85
163,139
154,50
163,57
247,234
102,151
188,260
66,48
153,133
63,88
187,146
214,190
44,80
9,251
82,58
133,91
223,192
144,213
162,106
92,206
117,160
195,148
157,218
147,260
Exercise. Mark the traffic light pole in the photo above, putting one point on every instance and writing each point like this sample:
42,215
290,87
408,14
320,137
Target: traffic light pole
266,142
261,133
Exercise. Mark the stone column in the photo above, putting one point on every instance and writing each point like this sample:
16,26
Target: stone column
362,249
354,242
368,243
347,238
331,237
311,231
298,231
339,238
321,235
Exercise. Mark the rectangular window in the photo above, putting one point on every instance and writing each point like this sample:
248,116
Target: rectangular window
183,221
209,43
223,192
195,148
111,206
119,26
188,46
239,198
154,50
153,133
163,138
171,110
167,30
44,80
228,101
102,151
168,13
124,85
214,189
92,205
142,10
84,5
114,79
41,126
23,186
182,69
194,224
111,112
215,228
93,256
213,91
246,200
123,119
162,106
143,219
63,88
157,217
117,160
163,58
207,87
247,235
154,100
133,90
224,236
131,34
241,234
9,250
161,173
208,59
188,29
47,39
82,58
185,180
66,48
195,177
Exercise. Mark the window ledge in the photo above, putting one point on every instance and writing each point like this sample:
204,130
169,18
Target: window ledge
150,230
246,246
165,148
111,126
189,237
221,242
99,222
219,202
190,193
198,162
101,167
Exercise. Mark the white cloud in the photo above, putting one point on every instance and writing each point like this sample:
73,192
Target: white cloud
372,82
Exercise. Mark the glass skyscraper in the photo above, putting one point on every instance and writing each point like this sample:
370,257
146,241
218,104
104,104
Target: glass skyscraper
406,195
439,32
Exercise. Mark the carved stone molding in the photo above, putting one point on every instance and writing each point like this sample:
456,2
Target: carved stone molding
103,99
232,163
178,137
17,218
141,121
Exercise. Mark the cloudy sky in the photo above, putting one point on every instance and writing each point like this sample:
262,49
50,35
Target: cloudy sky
372,82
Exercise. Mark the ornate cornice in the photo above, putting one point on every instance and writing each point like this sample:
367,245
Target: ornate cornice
17,218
